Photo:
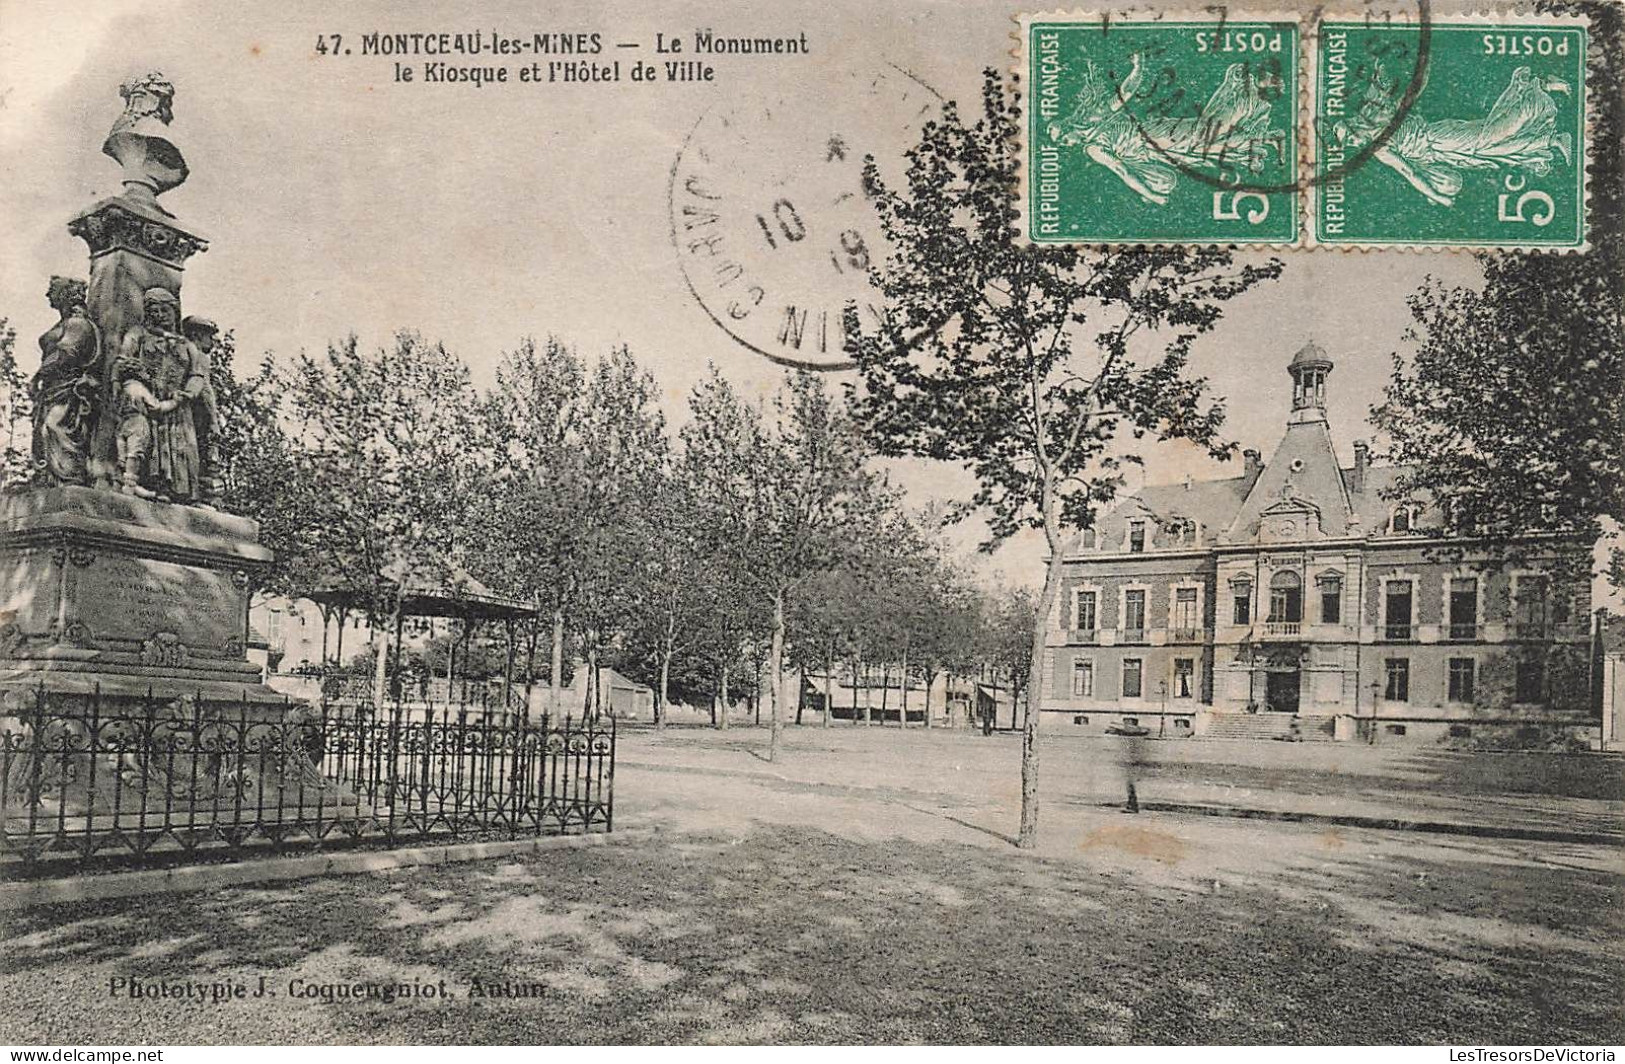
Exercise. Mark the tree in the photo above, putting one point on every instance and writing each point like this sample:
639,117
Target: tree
259,472
624,449
821,620
1511,413
16,414
533,545
1025,362
721,468
787,493
1010,618
391,443
673,597
945,623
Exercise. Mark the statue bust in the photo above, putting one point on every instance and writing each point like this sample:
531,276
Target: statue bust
140,142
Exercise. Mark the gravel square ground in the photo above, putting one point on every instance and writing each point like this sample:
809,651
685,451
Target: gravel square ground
881,901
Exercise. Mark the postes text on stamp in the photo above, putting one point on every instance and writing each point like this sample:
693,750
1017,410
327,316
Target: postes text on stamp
1456,133
1161,130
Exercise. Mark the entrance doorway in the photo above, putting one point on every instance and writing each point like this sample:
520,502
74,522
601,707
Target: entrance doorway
1281,690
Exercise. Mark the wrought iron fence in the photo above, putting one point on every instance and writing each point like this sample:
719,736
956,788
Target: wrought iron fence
88,779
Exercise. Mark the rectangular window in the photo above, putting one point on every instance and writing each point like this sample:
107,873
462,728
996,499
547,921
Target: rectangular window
1131,678
1464,607
1559,606
1244,606
1461,679
1086,611
1083,679
1134,611
1397,672
1331,603
1531,680
1136,537
1185,608
1184,677
1529,605
1399,610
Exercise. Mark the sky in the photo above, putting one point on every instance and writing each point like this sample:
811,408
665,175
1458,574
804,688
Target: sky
338,200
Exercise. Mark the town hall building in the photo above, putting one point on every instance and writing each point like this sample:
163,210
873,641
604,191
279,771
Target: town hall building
1301,600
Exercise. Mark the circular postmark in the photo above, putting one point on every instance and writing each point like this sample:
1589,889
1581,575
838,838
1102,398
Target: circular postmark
773,230
1173,103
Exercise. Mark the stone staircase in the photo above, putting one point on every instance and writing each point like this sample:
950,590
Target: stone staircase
1317,729
1269,726
1249,726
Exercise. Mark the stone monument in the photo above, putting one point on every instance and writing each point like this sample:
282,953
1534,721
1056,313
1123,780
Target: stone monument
119,578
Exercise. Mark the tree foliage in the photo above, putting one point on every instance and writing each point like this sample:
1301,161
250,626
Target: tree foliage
1027,363
16,414
390,443
260,475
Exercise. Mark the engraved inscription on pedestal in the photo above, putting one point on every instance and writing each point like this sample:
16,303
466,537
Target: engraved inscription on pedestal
140,598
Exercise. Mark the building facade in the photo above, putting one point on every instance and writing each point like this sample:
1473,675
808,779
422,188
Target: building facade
1300,600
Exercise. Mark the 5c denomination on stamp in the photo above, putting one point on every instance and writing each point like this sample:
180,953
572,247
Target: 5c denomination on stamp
1491,151
1178,129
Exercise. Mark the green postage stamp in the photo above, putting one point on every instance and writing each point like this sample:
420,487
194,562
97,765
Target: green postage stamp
1216,128
1458,133
1160,130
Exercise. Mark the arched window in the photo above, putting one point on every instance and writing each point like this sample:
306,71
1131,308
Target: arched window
1401,519
1286,597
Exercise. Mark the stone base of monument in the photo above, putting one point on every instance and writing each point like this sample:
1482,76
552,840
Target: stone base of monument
100,590
124,686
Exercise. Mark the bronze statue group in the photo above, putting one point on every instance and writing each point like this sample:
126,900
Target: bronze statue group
150,403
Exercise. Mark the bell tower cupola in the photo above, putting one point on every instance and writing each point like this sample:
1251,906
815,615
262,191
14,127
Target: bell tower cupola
1309,368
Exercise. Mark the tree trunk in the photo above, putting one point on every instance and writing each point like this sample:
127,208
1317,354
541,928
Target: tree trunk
590,703
930,679
902,714
665,669
829,689
989,712
775,672
530,662
885,691
801,694
722,713
1027,837
555,696
868,710
381,664
660,695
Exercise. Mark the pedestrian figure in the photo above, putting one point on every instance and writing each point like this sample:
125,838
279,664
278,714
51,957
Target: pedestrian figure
1133,759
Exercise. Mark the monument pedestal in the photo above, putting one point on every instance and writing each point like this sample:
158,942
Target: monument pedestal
104,591
124,685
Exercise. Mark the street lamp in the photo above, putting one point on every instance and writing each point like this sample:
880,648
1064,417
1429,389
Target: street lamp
1371,734
1162,722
